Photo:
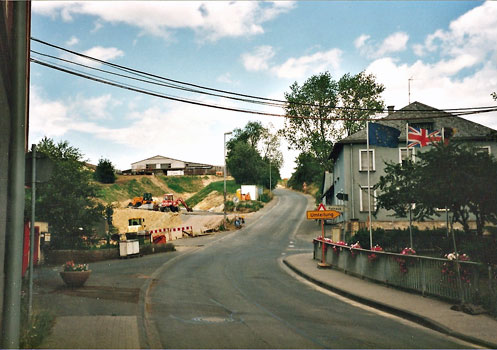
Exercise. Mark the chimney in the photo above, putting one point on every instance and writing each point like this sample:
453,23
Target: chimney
390,109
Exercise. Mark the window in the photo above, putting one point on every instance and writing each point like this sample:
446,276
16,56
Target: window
485,149
403,154
425,125
364,203
363,160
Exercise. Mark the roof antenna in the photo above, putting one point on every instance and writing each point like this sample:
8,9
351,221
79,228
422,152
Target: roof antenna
409,89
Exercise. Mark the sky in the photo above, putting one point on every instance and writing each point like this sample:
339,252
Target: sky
447,50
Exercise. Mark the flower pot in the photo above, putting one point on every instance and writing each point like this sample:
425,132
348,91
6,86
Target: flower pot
75,279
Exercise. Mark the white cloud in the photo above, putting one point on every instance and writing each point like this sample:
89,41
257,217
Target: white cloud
46,117
259,59
99,52
361,40
395,42
474,33
435,85
73,41
226,78
296,68
210,20
460,71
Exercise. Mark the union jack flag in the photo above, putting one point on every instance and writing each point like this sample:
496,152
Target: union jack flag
422,137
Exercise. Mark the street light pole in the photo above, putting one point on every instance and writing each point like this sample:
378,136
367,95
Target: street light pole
224,172
270,175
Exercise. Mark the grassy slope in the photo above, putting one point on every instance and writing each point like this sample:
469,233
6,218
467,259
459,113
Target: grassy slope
217,186
127,187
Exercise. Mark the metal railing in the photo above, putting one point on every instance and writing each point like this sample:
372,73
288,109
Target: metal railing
425,275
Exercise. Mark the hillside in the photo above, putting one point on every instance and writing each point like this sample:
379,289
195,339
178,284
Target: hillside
194,189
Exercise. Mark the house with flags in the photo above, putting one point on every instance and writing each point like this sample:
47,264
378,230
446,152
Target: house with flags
359,161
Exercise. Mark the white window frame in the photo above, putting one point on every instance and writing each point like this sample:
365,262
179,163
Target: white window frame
366,154
488,148
413,153
365,189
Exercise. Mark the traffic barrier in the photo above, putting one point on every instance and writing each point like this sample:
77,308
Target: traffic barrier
171,233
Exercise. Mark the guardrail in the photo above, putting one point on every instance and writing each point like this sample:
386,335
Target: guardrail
425,275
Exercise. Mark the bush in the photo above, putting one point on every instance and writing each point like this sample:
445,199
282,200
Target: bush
266,197
244,206
105,172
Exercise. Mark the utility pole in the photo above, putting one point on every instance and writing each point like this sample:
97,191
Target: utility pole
224,172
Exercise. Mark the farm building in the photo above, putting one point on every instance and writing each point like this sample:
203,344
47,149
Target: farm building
171,167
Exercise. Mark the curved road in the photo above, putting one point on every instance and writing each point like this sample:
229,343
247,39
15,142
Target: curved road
233,293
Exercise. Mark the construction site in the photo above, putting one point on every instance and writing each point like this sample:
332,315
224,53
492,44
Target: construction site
165,209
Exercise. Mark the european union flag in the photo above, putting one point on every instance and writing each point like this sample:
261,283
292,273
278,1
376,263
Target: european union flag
383,136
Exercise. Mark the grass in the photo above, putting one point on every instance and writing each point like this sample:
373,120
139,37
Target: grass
137,187
182,184
217,186
34,330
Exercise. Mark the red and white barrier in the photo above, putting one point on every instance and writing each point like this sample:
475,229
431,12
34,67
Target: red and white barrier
171,233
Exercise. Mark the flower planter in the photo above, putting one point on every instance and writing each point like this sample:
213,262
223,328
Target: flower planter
75,279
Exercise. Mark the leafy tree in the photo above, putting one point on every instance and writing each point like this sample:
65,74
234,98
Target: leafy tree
251,152
105,172
245,163
458,177
67,201
308,170
312,126
397,189
359,96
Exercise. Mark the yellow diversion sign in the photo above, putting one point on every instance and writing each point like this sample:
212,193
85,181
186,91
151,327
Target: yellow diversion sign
322,213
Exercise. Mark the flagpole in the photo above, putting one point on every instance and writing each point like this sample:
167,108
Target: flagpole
369,189
407,139
410,204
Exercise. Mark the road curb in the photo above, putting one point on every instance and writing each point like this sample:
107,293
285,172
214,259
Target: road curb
411,316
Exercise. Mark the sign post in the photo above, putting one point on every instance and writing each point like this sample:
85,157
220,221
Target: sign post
322,214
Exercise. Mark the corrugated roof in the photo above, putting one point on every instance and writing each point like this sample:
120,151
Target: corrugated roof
191,164
417,112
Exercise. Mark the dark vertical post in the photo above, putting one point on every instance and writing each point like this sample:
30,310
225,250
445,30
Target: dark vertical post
32,231
11,319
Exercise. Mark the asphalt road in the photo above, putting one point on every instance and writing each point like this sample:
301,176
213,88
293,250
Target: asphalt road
232,292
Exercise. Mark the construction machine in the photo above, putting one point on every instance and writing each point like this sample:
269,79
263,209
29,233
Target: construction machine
146,201
171,204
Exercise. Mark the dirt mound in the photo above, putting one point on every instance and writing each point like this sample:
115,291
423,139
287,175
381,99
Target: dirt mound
153,219
213,202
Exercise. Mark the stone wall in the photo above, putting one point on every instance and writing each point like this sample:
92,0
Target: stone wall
59,257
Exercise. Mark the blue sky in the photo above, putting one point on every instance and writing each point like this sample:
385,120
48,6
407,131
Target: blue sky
448,48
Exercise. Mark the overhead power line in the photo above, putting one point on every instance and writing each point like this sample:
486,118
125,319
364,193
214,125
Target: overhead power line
195,88
199,103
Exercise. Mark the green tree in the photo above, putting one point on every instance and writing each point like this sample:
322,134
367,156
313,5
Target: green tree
308,170
252,153
359,98
68,200
397,190
459,177
313,110
105,172
245,163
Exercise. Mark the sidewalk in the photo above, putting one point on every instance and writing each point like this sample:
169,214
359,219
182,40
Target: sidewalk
104,314
429,312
